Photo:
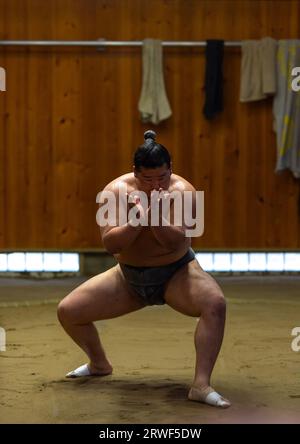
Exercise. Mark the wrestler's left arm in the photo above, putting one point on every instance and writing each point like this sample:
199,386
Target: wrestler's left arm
171,235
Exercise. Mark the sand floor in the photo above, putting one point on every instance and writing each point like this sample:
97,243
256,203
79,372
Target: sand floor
153,356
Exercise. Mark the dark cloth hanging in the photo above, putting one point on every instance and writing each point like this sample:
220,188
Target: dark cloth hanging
213,78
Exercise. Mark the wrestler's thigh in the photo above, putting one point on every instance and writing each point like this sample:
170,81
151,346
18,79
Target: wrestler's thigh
104,296
192,291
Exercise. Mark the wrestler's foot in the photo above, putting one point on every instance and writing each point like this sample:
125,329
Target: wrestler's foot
208,395
90,370
101,370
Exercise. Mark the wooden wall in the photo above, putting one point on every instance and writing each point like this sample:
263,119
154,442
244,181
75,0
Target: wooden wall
69,121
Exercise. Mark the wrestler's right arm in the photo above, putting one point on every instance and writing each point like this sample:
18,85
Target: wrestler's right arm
117,238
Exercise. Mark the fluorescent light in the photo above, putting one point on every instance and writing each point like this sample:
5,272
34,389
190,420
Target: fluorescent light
292,261
275,262
257,262
222,262
3,262
70,261
56,262
209,261
239,262
34,262
205,260
244,261
16,262
52,262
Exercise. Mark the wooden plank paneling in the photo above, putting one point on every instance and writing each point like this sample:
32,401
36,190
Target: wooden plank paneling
69,121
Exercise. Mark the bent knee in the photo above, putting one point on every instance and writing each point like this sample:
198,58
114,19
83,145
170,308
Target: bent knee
216,304
213,304
66,312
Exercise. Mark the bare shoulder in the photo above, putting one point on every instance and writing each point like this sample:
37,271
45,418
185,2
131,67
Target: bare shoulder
121,182
178,183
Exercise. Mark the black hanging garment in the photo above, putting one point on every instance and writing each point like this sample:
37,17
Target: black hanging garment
213,78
